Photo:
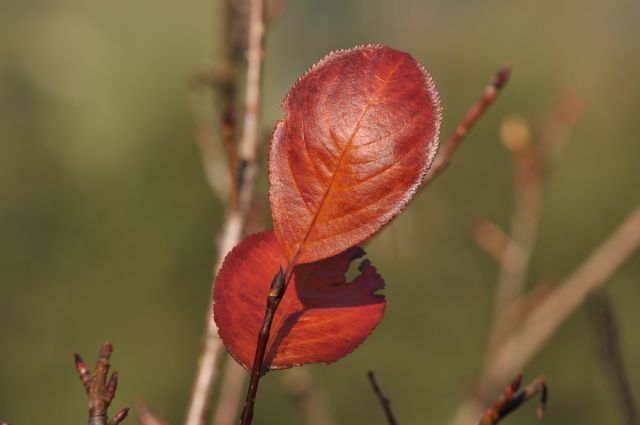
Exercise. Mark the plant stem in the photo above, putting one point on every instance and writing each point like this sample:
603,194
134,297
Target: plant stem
477,110
513,251
236,217
513,397
100,391
546,318
384,400
523,232
278,287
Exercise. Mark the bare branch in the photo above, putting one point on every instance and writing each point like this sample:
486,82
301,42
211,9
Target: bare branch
514,250
513,397
612,355
223,81
278,287
523,229
544,320
557,129
491,238
490,94
99,391
236,217
384,400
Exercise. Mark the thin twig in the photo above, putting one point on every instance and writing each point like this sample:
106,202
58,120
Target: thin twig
550,312
513,397
223,81
236,217
514,250
232,45
384,400
276,293
100,391
522,233
544,320
612,356
557,129
490,94
491,238
529,160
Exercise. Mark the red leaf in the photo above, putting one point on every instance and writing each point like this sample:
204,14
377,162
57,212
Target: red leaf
321,317
360,132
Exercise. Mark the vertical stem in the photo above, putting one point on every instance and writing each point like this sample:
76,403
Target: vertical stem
382,398
517,254
236,217
255,56
231,47
276,293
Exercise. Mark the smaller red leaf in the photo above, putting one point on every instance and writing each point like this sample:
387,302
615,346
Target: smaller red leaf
321,318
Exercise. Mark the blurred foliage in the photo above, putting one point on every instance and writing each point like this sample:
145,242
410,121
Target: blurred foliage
107,226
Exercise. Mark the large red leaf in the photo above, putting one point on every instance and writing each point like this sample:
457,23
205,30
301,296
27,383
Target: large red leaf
321,317
360,132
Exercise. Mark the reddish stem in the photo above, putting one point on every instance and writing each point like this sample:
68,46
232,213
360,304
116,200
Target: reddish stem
278,287
513,397
100,391
477,110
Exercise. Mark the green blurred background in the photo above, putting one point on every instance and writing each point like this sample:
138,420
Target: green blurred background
107,225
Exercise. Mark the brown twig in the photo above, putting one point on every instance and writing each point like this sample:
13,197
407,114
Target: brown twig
235,221
382,398
232,45
544,320
557,129
612,355
515,249
490,94
223,81
491,238
529,160
278,287
513,397
523,229
100,391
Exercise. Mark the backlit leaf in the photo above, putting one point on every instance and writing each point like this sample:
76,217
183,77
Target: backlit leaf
360,132
321,317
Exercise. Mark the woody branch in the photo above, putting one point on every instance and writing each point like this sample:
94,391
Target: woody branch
235,220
